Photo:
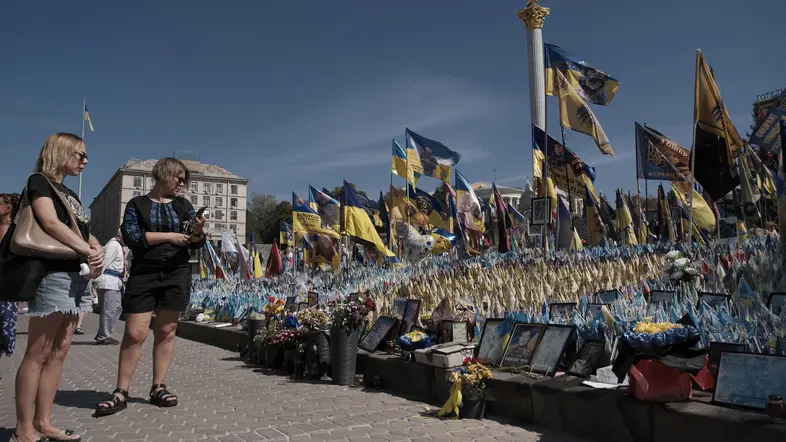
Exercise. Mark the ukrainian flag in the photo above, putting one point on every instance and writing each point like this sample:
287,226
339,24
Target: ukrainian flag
443,241
592,85
400,163
429,205
305,220
594,223
435,159
703,216
357,222
468,204
537,155
516,218
575,114
87,118
625,222
549,191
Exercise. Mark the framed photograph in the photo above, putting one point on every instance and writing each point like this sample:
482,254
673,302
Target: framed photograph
727,227
662,296
410,317
716,350
541,208
593,308
714,300
607,297
535,236
313,299
746,380
489,350
587,359
562,309
290,303
776,302
302,306
522,344
452,331
379,331
549,351
399,305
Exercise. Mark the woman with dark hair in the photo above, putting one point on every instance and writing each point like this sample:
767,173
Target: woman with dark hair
159,228
8,204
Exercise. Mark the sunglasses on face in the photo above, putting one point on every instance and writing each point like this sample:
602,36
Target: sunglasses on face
82,156
179,180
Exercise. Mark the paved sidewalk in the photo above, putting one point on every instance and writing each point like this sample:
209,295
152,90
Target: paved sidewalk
223,400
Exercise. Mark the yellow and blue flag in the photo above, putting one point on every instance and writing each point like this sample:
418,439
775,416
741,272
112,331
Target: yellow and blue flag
326,207
549,192
400,166
597,231
357,222
575,114
665,225
625,222
564,235
436,159
443,241
659,158
285,235
426,203
537,152
468,205
591,84
567,170
515,217
87,118
306,220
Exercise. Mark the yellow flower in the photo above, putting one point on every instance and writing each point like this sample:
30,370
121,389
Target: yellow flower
654,327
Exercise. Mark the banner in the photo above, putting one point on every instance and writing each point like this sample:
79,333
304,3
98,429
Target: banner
766,135
565,167
659,158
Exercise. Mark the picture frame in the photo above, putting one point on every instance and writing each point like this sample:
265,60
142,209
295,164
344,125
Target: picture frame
584,363
541,208
489,349
776,302
662,296
716,349
399,306
712,299
290,303
607,296
523,342
548,354
745,380
302,306
313,299
381,329
596,307
410,317
452,331
727,229
564,309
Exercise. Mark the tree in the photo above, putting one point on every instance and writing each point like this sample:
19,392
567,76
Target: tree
338,192
263,216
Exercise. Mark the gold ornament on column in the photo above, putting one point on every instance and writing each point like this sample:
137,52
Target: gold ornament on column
533,15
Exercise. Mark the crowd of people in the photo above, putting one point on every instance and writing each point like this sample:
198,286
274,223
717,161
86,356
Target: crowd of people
58,282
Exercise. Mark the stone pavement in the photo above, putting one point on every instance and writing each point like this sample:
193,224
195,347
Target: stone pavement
223,400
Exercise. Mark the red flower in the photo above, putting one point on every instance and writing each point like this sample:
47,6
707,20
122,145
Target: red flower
271,299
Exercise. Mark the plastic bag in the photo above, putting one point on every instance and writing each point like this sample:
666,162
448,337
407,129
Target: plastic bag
653,381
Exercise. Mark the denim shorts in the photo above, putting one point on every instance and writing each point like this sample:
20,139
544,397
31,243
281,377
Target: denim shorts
66,292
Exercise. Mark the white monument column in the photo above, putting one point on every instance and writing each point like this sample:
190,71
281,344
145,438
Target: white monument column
533,16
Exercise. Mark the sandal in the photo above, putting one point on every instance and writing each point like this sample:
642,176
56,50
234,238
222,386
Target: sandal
160,397
113,405
63,436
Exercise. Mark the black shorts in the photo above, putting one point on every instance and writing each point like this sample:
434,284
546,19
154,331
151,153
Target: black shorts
162,290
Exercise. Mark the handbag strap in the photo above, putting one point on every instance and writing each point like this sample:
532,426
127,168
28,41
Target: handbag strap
73,225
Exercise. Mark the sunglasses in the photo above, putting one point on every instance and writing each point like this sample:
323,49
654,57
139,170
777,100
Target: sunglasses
179,180
82,156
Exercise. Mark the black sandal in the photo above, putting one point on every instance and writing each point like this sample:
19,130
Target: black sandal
160,397
114,404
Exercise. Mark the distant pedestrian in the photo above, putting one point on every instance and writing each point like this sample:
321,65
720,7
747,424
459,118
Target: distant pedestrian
8,309
110,289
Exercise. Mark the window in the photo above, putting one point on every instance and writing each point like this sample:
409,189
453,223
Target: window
219,201
219,189
233,228
233,202
206,187
194,187
137,181
233,215
194,199
219,214
136,193
219,227
207,225
233,189
205,200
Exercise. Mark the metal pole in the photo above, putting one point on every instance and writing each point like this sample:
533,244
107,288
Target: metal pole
84,106
690,186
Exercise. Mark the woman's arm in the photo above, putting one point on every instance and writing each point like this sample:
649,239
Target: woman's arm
44,210
3,230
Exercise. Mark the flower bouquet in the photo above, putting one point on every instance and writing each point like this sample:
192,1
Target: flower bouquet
273,307
659,335
349,318
468,391
350,315
313,319
285,338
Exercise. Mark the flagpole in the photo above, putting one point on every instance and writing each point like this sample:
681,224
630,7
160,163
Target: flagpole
567,176
690,185
84,106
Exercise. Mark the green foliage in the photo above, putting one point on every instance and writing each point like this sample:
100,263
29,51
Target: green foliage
263,216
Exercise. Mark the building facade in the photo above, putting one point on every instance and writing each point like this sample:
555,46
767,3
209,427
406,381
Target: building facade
224,194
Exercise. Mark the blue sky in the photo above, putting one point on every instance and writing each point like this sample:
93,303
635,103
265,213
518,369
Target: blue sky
296,93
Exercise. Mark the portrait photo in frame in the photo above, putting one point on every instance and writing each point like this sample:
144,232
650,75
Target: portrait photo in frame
289,305
522,344
313,299
381,329
746,380
563,309
776,302
452,331
489,350
410,317
399,305
549,351
587,359
541,208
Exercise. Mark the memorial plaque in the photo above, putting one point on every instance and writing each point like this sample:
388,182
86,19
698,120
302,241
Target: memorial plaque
587,359
746,380
452,331
716,350
399,305
522,344
562,309
377,334
313,299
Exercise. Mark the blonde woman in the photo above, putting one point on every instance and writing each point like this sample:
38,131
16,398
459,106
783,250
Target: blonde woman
63,292
159,228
